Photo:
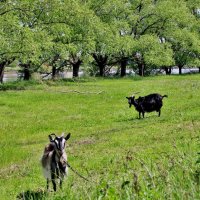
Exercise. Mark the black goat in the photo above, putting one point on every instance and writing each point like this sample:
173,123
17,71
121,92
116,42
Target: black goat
149,103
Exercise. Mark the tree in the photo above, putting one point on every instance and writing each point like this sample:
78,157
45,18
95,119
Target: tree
69,24
34,40
23,39
182,33
186,46
108,29
9,35
104,47
159,19
72,33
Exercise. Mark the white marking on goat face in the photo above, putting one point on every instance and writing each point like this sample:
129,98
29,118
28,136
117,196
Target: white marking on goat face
63,143
60,143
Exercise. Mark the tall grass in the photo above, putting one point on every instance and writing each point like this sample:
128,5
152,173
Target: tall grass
122,156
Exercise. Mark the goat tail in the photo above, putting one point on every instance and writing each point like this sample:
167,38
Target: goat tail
164,96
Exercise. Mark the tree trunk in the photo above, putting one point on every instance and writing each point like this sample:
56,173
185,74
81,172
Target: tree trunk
76,67
27,74
123,67
141,69
54,71
101,69
180,69
168,70
101,63
2,67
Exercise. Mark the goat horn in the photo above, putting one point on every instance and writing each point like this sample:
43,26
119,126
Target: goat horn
136,92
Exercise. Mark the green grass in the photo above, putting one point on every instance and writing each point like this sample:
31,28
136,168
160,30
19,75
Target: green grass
122,156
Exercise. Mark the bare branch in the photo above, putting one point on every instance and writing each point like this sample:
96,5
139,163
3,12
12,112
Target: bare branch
151,26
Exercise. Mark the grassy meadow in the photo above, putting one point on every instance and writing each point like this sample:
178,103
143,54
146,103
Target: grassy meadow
122,156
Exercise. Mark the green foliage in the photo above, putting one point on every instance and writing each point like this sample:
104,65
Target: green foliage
9,32
186,46
155,52
37,31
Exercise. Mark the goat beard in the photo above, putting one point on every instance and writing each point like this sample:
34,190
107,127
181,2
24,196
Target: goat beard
129,105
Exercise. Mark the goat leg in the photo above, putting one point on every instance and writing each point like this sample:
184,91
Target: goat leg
143,114
47,184
53,181
61,183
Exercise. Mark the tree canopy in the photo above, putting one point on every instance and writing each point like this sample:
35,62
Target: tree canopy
63,33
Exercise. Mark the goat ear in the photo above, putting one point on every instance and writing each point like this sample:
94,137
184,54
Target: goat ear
51,138
127,97
68,136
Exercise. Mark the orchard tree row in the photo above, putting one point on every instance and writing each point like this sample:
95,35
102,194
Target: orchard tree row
99,34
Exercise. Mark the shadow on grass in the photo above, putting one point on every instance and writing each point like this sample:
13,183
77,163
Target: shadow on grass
136,119
32,195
